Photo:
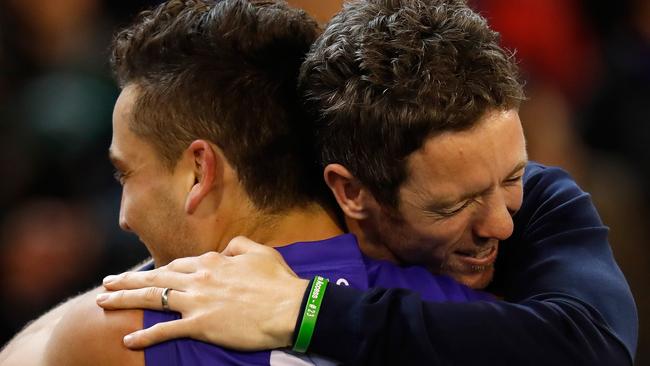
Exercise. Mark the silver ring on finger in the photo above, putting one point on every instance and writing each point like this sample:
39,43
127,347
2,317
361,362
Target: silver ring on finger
164,299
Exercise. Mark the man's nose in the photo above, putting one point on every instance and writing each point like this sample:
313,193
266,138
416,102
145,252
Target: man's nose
124,225
495,219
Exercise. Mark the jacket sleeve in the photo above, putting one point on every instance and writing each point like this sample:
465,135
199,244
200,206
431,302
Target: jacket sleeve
567,302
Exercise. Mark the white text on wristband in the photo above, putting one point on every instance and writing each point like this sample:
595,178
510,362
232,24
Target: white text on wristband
309,316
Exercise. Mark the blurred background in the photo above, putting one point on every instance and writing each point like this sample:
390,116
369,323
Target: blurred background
587,66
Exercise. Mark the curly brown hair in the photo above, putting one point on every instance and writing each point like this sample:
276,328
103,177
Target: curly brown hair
388,74
225,71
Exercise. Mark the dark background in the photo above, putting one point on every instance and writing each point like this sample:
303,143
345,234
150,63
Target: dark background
587,66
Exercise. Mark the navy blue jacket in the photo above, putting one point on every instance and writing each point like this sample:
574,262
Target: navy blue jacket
566,300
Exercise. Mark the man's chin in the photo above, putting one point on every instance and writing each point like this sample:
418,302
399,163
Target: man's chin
475,280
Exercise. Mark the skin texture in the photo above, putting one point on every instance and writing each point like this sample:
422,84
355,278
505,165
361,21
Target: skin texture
458,200
201,195
75,342
208,290
36,336
488,159
37,344
153,197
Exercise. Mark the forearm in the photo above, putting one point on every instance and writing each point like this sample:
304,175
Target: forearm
569,302
385,327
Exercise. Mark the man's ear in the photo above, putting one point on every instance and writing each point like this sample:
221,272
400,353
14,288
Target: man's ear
205,164
353,198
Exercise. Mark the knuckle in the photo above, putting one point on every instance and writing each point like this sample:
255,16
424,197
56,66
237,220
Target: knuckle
195,323
151,276
162,330
173,264
238,239
204,276
119,295
151,293
126,276
209,258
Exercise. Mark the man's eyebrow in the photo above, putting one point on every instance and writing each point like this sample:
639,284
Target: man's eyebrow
469,195
521,165
463,198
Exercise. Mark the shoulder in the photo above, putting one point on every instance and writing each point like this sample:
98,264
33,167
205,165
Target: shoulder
88,335
552,197
559,253
540,179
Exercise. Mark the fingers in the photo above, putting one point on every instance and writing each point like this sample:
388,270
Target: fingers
241,245
155,278
143,298
158,333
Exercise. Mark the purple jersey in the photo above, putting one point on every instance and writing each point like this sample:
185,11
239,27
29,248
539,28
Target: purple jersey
337,259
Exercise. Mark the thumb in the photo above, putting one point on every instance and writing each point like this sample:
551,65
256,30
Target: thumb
158,333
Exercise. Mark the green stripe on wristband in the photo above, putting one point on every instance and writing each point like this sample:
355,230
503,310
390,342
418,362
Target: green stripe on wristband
310,314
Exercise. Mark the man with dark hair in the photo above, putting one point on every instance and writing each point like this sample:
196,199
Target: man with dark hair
422,145
410,93
208,145
424,153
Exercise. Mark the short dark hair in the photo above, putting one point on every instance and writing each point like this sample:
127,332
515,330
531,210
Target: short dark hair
387,74
225,71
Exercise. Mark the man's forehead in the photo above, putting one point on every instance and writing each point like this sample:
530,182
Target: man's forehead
123,108
123,137
459,163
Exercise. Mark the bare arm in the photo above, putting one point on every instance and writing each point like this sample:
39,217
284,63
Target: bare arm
28,346
24,348
76,333
87,335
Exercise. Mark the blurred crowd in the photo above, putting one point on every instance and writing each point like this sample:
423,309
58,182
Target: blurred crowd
58,201
586,64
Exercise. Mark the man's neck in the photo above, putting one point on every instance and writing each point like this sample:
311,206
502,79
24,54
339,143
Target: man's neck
370,244
311,223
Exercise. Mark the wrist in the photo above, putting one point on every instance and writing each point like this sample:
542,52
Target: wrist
291,311
301,309
310,307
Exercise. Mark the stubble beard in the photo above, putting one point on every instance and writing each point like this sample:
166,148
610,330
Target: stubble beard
175,239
